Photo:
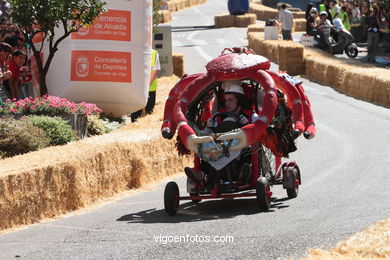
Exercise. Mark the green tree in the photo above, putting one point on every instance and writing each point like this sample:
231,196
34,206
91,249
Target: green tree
44,16
156,15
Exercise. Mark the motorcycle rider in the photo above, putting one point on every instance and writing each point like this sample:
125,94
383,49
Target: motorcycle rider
325,27
344,36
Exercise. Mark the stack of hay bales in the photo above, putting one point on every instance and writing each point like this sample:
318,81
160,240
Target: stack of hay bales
361,81
299,14
178,64
60,179
300,25
290,57
288,54
256,28
175,6
245,20
263,12
226,20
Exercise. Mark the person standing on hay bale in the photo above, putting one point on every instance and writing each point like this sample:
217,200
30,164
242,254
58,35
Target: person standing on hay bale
155,67
286,19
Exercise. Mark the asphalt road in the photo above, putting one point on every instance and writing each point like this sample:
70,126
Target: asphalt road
345,175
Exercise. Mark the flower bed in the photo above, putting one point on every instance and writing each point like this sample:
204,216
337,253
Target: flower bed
47,105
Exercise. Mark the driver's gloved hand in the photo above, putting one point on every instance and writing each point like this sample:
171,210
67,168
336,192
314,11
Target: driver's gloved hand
210,122
243,120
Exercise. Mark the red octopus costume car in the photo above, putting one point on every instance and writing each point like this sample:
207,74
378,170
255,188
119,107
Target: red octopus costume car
284,115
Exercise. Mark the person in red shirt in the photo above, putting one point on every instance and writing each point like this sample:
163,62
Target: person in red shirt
19,58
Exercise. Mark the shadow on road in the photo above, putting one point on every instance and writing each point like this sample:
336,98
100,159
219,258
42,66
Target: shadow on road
207,210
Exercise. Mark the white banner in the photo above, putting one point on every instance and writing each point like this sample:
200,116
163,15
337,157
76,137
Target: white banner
107,63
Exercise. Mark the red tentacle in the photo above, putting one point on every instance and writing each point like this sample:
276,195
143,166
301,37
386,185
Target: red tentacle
309,118
168,127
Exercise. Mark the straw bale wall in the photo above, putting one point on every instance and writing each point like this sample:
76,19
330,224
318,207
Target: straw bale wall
245,20
256,28
300,25
226,20
178,64
290,57
175,6
60,179
178,5
264,12
371,243
362,81
349,76
299,14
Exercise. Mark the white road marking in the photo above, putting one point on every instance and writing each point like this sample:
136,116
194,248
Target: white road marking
199,42
177,43
191,35
222,41
203,54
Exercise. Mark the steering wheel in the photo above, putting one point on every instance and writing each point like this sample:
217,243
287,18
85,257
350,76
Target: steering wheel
226,126
226,114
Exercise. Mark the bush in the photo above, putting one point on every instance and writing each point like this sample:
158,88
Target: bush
56,128
19,137
99,126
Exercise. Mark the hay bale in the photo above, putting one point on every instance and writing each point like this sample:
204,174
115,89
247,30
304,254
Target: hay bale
295,9
245,20
60,179
335,75
178,64
164,16
290,58
255,42
299,14
272,50
381,90
224,20
256,28
299,25
263,12
371,243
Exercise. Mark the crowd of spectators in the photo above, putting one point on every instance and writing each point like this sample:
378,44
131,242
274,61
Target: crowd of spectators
15,76
368,21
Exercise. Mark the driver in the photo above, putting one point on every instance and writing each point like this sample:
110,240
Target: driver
235,111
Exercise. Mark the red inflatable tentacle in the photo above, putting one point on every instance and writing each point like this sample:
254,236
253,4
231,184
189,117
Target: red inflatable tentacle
294,99
259,128
309,118
181,106
168,127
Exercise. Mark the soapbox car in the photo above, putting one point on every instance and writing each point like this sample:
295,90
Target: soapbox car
238,162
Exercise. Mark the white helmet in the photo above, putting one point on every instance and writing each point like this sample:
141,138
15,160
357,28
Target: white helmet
323,13
233,87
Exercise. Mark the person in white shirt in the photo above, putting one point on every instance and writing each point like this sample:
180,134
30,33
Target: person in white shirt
286,19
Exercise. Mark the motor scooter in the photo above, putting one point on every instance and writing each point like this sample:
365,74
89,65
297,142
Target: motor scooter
345,43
